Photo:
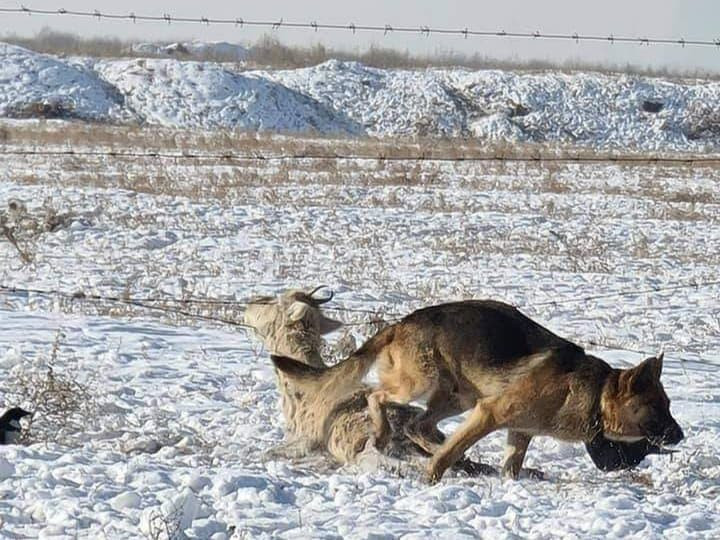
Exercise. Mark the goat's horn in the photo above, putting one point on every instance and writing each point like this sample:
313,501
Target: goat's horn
316,289
318,301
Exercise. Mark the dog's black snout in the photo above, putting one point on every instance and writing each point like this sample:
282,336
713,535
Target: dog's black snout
674,434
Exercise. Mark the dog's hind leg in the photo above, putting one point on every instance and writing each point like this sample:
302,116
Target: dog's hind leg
422,430
515,450
483,419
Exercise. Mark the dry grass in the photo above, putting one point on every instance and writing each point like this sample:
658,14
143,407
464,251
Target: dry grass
162,525
220,143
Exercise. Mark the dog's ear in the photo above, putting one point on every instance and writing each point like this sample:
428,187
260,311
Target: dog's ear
642,376
650,368
659,363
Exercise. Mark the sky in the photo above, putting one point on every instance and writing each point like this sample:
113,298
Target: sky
690,19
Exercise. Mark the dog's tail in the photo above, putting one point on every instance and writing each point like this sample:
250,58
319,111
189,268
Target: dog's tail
346,373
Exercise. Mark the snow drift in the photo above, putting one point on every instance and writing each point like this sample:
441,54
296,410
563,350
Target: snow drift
591,109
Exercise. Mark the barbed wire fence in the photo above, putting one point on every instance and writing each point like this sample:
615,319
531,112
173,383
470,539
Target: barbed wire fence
644,159
385,29
169,305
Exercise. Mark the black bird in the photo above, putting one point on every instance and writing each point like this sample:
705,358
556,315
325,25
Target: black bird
610,455
10,425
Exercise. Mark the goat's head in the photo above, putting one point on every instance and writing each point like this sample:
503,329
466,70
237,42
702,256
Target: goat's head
292,323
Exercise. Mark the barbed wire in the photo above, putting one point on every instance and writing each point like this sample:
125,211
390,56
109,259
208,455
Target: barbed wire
145,303
385,29
647,159
150,303
638,292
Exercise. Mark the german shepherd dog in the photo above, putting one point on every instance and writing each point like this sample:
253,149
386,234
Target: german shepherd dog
513,374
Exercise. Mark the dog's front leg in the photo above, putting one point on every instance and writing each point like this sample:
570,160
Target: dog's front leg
515,450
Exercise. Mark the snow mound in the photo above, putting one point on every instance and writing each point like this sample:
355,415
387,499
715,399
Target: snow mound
582,108
385,102
204,95
587,109
37,85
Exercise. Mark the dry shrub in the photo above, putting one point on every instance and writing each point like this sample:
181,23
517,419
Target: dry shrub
172,518
22,228
270,52
64,43
161,525
62,401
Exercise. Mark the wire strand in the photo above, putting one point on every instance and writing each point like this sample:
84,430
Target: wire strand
653,159
385,29
146,301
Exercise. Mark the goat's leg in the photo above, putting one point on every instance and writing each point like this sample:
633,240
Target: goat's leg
292,449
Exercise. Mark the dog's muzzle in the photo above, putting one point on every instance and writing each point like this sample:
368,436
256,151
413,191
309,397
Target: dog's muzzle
673,434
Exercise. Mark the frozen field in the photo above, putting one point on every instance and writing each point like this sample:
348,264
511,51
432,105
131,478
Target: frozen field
176,413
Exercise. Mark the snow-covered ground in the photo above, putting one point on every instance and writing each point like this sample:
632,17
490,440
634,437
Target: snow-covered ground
180,412
601,111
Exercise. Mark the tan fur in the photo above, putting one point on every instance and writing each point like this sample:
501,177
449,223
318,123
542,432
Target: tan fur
512,374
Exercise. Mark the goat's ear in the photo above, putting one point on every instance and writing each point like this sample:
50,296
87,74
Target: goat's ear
297,311
328,325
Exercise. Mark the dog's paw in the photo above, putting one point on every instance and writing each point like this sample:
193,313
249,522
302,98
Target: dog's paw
433,472
513,471
432,477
